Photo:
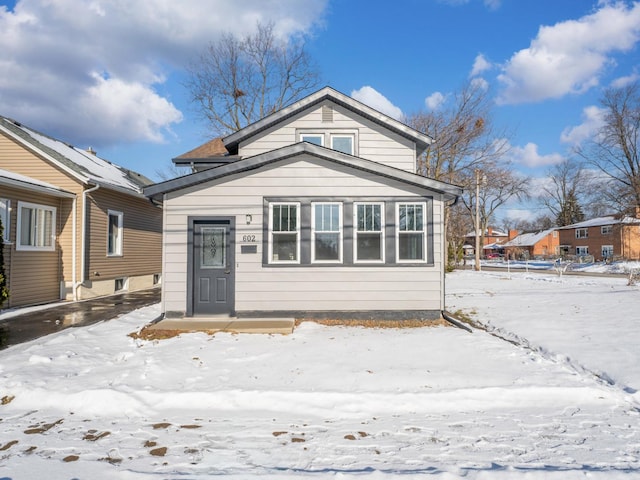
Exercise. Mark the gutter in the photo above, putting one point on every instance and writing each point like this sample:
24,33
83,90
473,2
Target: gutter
83,261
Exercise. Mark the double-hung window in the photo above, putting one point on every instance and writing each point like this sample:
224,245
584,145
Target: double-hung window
582,232
607,251
606,229
115,233
4,219
411,232
326,232
36,227
369,232
284,232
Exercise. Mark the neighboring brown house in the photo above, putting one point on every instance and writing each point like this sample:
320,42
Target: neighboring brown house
542,244
76,226
603,238
493,240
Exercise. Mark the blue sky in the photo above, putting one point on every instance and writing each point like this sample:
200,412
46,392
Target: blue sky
110,74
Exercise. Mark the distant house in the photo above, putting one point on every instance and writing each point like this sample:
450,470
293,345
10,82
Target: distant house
603,238
315,210
541,244
76,226
493,241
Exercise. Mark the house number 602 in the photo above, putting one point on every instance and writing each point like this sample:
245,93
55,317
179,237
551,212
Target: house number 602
249,238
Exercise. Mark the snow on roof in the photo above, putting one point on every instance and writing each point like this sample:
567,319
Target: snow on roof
85,165
487,233
528,239
606,220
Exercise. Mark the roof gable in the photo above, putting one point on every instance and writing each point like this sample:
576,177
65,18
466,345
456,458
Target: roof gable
528,239
249,164
421,140
601,221
84,166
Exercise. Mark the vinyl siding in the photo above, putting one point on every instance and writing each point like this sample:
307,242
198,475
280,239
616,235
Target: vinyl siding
319,288
33,276
142,238
374,141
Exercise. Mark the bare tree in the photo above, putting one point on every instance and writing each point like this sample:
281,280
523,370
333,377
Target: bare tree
614,150
237,81
464,134
567,189
499,185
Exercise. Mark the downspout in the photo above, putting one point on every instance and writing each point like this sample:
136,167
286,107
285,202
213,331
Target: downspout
83,248
74,246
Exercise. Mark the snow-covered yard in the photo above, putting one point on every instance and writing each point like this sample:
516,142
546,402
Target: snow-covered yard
342,402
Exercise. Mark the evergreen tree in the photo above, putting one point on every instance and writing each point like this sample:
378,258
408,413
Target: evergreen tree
570,212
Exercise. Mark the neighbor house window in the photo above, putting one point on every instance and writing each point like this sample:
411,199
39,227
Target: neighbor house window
607,251
342,143
582,250
410,232
114,233
326,232
582,233
284,232
36,227
606,229
4,218
315,138
369,232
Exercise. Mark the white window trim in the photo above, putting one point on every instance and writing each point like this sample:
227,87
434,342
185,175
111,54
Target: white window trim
350,135
5,216
355,233
606,230
35,206
313,232
424,233
119,251
585,230
297,231
312,134
581,247
608,247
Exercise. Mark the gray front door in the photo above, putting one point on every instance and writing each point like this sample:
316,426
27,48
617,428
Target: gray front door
213,267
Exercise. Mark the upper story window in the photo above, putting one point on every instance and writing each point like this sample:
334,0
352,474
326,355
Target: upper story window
606,229
284,232
36,227
411,232
326,232
345,141
369,232
4,218
582,232
115,233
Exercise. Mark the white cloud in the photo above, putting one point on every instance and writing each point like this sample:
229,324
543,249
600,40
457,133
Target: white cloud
480,65
51,51
528,156
622,82
570,56
435,100
593,119
371,97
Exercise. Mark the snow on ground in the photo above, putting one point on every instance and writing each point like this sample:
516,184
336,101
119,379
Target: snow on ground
338,402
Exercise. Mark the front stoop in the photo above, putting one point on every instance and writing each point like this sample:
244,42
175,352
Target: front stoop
216,323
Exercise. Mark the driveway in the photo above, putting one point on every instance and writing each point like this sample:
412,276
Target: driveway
22,325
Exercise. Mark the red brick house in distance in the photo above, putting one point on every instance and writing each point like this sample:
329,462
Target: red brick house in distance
604,238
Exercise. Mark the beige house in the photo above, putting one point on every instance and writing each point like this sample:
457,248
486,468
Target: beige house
76,226
313,211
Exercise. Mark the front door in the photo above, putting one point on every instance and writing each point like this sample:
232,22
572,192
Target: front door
213,267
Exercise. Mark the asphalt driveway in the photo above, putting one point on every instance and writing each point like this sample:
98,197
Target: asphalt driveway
16,327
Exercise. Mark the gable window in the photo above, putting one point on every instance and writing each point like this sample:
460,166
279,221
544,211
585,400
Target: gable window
284,232
326,232
368,232
582,232
315,138
114,233
4,219
342,143
36,227
410,232
607,251
606,229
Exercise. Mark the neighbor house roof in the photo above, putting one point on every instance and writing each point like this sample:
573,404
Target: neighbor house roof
12,179
528,239
422,141
249,164
601,221
84,166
